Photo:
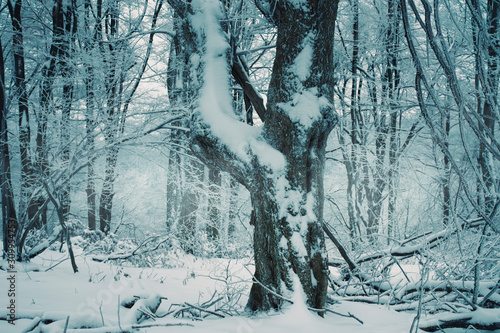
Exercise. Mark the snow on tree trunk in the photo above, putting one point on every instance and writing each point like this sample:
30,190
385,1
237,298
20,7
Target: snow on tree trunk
280,163
288,235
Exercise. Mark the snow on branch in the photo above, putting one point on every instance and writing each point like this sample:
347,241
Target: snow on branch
141,249
220,131
425,241
46,243
481,319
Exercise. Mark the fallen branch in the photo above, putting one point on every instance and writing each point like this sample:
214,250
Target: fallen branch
430,241
490,295
380,286
46,243
125,328
203,310
143,308
481,319
123,256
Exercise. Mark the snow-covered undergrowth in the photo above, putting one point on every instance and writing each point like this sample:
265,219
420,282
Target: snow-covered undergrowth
107,297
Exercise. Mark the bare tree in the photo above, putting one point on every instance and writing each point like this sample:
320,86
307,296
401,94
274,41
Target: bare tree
8,206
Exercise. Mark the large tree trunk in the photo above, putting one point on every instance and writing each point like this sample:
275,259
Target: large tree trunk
288,235
283,166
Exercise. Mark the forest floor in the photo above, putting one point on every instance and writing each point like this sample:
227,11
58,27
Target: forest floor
48,291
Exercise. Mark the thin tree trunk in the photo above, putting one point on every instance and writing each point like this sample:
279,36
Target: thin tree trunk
490,90
108,191
185,173
392,81
9,217
174,188
114,53
89,45
27,208
214,225
112,82
354,193
68,16
188,217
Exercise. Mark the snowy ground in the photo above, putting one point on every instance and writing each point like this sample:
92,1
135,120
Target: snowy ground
92,295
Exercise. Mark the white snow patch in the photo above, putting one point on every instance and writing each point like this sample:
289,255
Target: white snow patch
479,317
293,207
303,61
58,290
298,244
314,282
291,202
298,311
310,207
267,155
215,103
305,107
284,243
46,242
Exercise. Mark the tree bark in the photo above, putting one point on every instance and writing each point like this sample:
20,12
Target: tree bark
8,207
287,196
184,173
27,207
113,81
488,48
392,83
214,222
89,44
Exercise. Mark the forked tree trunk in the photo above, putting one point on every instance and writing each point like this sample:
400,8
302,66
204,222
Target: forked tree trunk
286,185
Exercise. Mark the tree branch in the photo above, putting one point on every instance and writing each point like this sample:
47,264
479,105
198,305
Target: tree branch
240,74
482,319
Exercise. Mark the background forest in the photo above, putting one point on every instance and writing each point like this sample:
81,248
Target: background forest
97,103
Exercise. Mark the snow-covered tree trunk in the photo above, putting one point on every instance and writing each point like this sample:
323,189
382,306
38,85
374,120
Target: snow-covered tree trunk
280,163
298,121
